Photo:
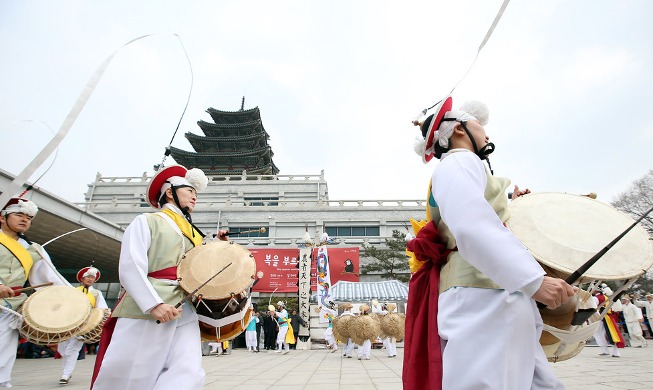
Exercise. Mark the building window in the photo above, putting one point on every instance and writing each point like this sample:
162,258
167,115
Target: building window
353,231
262,201
255,233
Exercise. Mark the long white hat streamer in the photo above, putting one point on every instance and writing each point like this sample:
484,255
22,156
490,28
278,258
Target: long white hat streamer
68,122
495,22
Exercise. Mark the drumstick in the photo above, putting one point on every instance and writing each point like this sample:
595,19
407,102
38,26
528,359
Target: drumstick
191,294
261,230
573,278
20,290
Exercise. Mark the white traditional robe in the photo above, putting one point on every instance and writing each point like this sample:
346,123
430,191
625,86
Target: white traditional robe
490,337
143,354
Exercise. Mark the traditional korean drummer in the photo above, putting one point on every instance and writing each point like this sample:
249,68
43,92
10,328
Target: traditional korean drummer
20,260
143,354
69,349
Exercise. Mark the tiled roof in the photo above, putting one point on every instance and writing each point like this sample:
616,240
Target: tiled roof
388,290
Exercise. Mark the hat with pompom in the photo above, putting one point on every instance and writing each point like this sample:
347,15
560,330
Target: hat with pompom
174,176
20,205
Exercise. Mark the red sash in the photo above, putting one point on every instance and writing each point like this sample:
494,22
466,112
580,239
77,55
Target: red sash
109,326
422,352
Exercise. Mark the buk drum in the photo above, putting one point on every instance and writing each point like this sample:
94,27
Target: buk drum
54,314
563,231
91,331
224,304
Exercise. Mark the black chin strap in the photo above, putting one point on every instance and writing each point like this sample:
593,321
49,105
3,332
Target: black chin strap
21,235
185,210
485,150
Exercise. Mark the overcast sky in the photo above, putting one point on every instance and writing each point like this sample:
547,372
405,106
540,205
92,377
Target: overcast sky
568,84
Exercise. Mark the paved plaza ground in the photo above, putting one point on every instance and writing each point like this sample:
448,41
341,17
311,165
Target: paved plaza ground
319,369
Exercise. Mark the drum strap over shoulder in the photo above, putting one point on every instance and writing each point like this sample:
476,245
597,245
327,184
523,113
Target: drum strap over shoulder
18,251
184,226
89,295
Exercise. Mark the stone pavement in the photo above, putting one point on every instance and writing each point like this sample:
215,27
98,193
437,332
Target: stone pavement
318,369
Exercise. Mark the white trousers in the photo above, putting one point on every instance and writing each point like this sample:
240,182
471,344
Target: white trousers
250,340
146,355
328,336
349,348
602,341
390,344
281,338
69,351
635,333
490,340
8,347
365,349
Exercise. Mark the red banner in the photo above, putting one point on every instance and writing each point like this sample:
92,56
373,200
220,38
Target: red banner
343,264
279,268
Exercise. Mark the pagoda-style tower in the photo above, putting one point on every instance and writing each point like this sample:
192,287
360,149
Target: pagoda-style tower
235,142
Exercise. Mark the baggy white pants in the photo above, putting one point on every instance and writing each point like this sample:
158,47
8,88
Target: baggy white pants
328,337
635,333
601,339
250,340
490,340
281,338
147,355
69,351
365,350
8,347
390,344
349,348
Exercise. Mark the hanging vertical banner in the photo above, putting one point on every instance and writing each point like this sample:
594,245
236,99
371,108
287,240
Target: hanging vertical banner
323,282
304,288
343,266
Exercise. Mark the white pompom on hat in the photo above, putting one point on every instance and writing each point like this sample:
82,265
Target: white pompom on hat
20,205
88,271
178,176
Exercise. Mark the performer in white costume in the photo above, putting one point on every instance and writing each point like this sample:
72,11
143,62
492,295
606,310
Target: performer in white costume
633,317
349,344
144,354
648,306
69,349
490,283
364,350
281,316
328,332
20,260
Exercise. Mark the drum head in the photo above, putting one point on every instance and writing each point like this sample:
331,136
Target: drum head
204,261
95,319
56,309
563,231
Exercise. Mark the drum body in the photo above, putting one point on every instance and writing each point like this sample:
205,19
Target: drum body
91,331
54,314
563,231
224,304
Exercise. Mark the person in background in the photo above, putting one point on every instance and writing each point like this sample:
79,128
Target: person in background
71,348
281,316
295,321
648,306
633,318
20,260
250,334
